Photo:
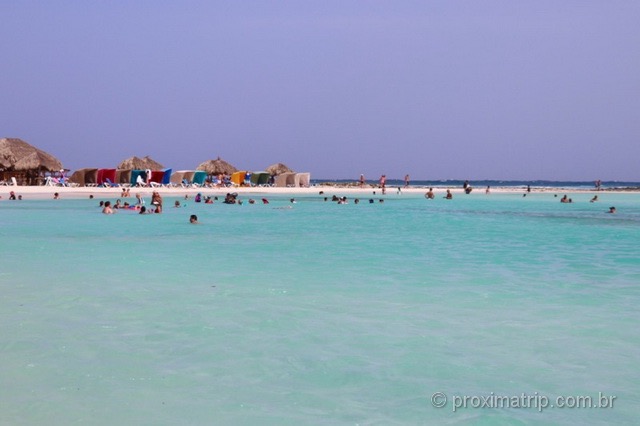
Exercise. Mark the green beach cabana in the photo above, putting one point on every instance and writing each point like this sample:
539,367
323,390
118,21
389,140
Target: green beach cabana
260,178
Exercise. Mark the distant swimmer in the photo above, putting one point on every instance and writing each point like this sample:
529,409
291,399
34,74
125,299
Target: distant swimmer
488,190
193,219
594,199
612,209
566,199
449,195
429,195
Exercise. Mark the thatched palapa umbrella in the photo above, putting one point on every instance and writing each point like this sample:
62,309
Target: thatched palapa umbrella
16,154
136,163
216,167
278,169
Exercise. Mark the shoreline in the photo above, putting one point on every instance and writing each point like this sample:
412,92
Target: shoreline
46,192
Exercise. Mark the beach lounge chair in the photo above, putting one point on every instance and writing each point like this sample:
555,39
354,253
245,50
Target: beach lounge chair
50,181
107,183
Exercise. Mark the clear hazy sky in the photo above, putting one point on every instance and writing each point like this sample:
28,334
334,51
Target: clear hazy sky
437,89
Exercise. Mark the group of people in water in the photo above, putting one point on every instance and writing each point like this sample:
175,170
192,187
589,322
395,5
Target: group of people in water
233,198
139,205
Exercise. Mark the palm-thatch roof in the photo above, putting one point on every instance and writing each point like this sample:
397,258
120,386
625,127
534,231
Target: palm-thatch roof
136,163
278,169
16,154
216,167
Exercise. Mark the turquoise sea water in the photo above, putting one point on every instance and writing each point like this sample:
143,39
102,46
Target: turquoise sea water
320,313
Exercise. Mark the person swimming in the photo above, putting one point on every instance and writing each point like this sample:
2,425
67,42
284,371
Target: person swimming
107,208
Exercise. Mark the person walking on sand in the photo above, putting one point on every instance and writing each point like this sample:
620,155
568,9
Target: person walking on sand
362,181
406,181
383,184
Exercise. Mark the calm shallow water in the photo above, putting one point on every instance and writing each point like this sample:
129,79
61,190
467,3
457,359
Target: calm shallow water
318,314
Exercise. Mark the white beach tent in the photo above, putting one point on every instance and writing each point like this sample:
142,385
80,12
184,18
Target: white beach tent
303,179
282,179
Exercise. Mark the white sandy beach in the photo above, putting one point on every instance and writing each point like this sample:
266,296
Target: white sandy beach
45,192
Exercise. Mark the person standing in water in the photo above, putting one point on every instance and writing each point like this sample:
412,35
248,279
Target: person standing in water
156,200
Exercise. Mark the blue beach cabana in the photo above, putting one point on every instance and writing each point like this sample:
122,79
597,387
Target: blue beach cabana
166,179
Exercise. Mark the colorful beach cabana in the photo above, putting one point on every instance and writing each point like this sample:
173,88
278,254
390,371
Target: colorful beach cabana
137,173
176,178
199,177
282,179
166,179
237,178
188,176
157,176
260,178
304,179
84,177
91,177
292,181
123,176
105,176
